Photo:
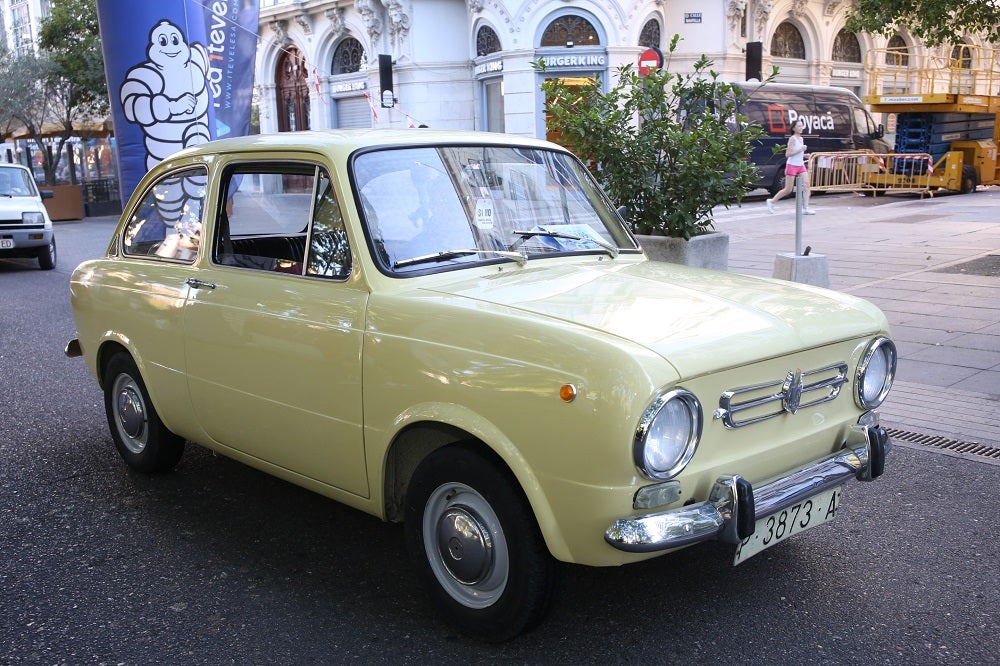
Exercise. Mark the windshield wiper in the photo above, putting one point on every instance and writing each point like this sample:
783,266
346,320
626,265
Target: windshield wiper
611,249
451,254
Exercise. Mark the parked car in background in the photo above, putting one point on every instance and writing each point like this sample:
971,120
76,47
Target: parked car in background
456,331
835,121
25,227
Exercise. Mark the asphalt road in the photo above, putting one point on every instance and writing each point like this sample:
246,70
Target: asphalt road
217,563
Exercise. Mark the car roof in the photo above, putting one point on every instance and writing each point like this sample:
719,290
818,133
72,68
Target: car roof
342,142
758,86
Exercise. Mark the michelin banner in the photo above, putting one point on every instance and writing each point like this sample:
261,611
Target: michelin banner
180,73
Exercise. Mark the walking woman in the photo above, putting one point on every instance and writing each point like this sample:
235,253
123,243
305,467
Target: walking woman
795,164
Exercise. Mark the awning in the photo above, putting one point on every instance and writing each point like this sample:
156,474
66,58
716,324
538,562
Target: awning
84,130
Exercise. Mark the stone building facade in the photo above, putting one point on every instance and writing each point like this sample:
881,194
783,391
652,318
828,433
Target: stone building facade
468,64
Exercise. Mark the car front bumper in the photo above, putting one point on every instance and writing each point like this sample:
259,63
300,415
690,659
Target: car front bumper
734,505
26,242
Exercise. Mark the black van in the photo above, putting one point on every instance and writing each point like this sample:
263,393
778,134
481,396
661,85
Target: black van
835,121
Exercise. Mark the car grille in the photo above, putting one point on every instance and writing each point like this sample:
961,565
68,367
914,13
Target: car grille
753,404
11,222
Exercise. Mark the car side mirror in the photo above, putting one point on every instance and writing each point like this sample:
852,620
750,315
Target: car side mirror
48,194
880,132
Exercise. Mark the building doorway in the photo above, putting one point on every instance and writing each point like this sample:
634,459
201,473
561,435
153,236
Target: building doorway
292,81
574,83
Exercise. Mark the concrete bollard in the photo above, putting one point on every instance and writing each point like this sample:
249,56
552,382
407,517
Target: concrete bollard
800,266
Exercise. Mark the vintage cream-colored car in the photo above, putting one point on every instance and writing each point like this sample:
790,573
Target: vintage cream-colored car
456,331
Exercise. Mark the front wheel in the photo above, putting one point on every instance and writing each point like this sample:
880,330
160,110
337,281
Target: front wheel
140,437
47,256
970,180
476,546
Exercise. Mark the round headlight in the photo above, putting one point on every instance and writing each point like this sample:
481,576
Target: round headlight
875,373
668,434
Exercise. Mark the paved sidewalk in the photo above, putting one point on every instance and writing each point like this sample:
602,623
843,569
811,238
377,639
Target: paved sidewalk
932,265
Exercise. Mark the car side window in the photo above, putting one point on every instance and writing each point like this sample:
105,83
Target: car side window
264,220
329,251
863,122
167,223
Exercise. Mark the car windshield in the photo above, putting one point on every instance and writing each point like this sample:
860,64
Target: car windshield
16,183
442,207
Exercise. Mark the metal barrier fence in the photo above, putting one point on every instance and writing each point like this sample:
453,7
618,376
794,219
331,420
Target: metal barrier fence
865,171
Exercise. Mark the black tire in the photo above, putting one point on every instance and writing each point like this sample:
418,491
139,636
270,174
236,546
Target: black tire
970,180
494,578
47,256
779,181
142,440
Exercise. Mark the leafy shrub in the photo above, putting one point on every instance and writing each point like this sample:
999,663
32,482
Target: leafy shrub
668,147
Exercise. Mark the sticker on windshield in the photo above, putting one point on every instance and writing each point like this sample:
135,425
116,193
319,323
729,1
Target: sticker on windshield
484,213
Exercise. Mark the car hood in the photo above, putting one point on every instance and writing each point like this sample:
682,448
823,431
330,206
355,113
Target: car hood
20,204
697,320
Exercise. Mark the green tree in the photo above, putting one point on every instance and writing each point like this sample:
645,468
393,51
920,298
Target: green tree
49,94
668,147
71,38
933,21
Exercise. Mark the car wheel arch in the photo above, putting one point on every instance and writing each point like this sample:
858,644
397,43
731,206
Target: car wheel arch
419,439
107,351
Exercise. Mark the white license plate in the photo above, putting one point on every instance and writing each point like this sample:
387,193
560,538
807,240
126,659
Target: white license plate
6,244
769,530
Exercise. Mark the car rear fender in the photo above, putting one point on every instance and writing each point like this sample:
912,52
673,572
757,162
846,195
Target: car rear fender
167,388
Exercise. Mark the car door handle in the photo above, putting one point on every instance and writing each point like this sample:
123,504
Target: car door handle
195,283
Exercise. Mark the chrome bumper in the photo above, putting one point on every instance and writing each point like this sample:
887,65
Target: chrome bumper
734,505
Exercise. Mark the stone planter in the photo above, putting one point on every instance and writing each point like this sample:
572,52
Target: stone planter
709,250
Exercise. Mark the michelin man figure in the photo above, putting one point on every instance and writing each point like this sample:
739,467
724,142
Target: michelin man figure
167,95
168,98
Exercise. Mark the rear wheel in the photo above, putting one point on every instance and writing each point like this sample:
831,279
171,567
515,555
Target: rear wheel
47,256
140,437
779,181
970,180
476,546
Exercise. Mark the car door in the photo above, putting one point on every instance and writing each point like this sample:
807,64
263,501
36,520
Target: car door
273,325
142,289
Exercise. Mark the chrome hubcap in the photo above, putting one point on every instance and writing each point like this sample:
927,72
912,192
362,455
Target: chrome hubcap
130,414
464,545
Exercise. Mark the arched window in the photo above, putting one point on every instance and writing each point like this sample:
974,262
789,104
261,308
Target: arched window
650,35
292,79
897,55
348,57
787,42
846,47
961,56
487,41
570,30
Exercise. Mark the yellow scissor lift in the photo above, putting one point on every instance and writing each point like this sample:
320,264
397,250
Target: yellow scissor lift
938,95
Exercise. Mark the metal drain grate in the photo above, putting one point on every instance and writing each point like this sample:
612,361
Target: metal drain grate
946,444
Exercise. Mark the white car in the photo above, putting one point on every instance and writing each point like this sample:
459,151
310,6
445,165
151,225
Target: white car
25,227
